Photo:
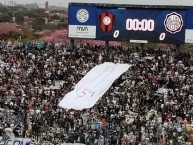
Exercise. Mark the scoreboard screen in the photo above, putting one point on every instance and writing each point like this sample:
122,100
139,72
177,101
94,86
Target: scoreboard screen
155,26
140,25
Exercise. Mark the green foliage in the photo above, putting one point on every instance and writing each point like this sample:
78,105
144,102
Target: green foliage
40,21
12,35
50,27
3,9
62,20
31,37
53,27
8,12
62,26
38,24
37,27
37,13
5,17
19,17
55,17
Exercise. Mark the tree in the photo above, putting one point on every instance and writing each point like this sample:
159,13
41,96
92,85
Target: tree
62,25
37,13
37,27
40,21
57,36
3,9
5,17
50,27
38,24
55,17
5,28
19,17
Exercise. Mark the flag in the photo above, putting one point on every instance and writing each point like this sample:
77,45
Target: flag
93,85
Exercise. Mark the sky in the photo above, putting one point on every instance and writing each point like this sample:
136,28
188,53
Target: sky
142,2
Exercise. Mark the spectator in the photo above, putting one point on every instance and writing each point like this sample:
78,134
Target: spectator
150,104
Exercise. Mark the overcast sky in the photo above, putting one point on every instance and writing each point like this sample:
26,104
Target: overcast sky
143,2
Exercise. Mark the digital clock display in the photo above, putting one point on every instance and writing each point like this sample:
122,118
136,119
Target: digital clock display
151,25
137,25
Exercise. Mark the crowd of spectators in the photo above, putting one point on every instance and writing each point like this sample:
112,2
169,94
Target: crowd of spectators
150,104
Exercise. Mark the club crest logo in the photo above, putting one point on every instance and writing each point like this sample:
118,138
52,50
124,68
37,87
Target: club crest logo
106,21
82,15
173,22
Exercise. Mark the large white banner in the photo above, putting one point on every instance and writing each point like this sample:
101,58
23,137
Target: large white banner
93,86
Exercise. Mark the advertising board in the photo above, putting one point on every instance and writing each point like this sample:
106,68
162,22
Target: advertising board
137,25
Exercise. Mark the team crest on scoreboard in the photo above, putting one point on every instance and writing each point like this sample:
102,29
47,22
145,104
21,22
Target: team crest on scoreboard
106,21
173,22
82,15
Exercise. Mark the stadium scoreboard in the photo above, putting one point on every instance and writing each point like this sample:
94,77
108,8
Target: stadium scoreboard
141,25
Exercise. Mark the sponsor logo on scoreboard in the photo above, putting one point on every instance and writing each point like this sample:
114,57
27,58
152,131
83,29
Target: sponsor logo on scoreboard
106,21
173,22
82,15
82,29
